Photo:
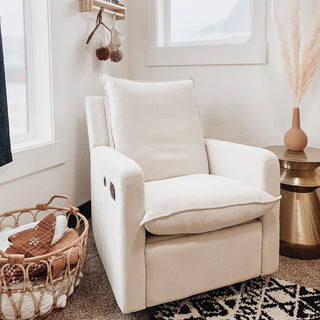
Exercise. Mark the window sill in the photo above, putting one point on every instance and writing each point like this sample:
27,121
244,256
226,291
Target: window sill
247,53
26,142
32,160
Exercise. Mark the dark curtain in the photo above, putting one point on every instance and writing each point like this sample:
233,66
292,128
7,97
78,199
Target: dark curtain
5,148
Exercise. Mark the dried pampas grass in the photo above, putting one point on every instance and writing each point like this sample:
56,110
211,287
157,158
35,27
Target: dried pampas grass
284,50
299,63
294,45
310,57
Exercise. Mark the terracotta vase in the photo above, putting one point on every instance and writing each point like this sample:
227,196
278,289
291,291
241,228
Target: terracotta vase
295,139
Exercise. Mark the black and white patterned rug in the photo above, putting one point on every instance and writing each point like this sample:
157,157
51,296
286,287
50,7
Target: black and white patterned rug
262,298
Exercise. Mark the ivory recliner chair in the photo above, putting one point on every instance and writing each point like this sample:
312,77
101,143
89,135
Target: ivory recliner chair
175,214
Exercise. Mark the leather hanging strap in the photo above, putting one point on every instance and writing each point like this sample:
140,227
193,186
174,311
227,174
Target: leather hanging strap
98,23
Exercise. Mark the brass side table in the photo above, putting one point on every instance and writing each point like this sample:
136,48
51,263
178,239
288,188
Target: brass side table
300,205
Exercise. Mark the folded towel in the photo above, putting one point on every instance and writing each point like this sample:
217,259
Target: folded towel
7,232
36,241
31,242
60,262
60,229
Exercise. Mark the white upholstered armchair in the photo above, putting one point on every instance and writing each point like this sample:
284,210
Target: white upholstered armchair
175,214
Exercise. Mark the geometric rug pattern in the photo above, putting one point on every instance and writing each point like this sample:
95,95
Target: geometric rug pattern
262,298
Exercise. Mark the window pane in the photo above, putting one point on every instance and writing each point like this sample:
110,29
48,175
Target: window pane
210,20
12,27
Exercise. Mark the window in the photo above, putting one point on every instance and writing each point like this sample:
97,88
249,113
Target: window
212,21
15,64
183,32
26,43
25,32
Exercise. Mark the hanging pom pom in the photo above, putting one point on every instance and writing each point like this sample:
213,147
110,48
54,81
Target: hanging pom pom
116,55
100,38
103,53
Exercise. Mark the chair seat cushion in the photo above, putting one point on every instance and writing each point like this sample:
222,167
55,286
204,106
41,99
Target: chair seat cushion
201,203
157,125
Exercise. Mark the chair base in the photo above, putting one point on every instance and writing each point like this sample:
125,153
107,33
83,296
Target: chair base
181,267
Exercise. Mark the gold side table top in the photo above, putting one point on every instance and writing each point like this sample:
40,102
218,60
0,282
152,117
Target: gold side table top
308,159
302,166
300,205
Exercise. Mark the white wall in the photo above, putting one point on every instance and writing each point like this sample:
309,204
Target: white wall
242,103
74,77
248,104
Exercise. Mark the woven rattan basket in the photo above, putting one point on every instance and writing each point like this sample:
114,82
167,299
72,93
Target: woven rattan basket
48,289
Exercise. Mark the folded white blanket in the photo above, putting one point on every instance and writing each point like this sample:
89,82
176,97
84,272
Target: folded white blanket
28,305
61,228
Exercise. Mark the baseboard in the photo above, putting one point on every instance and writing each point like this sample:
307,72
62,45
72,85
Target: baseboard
85,209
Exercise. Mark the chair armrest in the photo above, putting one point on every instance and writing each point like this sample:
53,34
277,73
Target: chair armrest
118,166
255,166
116,224
260,168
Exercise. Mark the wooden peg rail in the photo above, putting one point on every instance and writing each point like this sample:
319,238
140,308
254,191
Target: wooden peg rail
111,8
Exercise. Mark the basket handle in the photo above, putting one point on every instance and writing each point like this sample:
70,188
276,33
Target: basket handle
43,206
61,196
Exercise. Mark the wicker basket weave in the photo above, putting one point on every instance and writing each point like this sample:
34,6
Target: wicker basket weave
36,290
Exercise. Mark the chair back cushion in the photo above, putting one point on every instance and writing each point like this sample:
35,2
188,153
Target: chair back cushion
156,124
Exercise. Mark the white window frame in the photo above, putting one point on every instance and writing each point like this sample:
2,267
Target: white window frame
39,149
38,76
204,53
